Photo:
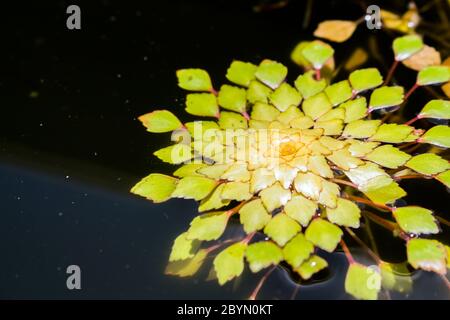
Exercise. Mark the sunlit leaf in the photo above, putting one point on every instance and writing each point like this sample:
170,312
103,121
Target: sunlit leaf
281,229
444,177
285,96
406,46
274,197
298,57
335,30
429,255
183,248
354,109
229,263
433,75
386,97
346,213
254,216
323,234
426,57
428,163
209,226
317,53
438,135
264,111
343,159
308,86
258,92
241,73
316,105
385,194
302,122
297,250
392,133
232,98
329,194
236,190
290,114
416,220
194,80
262,254
359,148
202,104
232,120
187,267
156,187
309,185
362,282
311,266
301,209
388,156
214,200
271,73
339,92
237,172
202,130
365,79
437,109
160,121
174,154
361,128
194,188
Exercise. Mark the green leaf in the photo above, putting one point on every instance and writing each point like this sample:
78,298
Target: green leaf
395,276
188,267
317,53
274,197
346,213
232,98
160,121
194,188
361,128
438,135
444,178
297,250
339,92
174,154
202,129
184,248
254,216
316,106
365,79
290,114
416,220
385,97
301,209
388,156
386,194
429,255
433,75
232,120
428,163
362,282
406,46
241,73
354,109
236,190
194,80
156,187
285,96
323,234
297,55
437,109
262,254
361,148
229,263
281,228
311,266
258,92
214,200
202,104
214,171
271,73
189,169
264,112
392,133
209,226
309,185
308,86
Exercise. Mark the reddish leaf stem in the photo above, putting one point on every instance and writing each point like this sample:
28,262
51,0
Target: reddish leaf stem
443,221
362,244
248,238
391,72
260,284
412,120
348,183
370,203
348,255
413,88
317,74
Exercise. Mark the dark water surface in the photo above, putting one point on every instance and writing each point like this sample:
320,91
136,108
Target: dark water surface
71,147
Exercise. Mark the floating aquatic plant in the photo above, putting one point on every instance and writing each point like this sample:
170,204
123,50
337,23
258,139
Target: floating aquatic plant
297,163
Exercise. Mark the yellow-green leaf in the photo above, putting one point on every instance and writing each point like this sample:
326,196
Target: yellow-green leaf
187,267
271,73
308,86
301,209
339,92
258,92
264,112
214,200
232,120
254,216
297,250
183,248
317,53
316,105
437,109
438,135
194,80
323,234
311,266
156,187
433,75
385,97
354,109
194,188
274,197
362,282
262,254
392,133
232,98
406,46
395,276
236,190
365,79
428,163
229,263
281,229
346,213
285,96
416,220
297,55
361,128
241,73
444,177
202,104
385,194
160,121
174,154
209,226
189,169
429,255
388,156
